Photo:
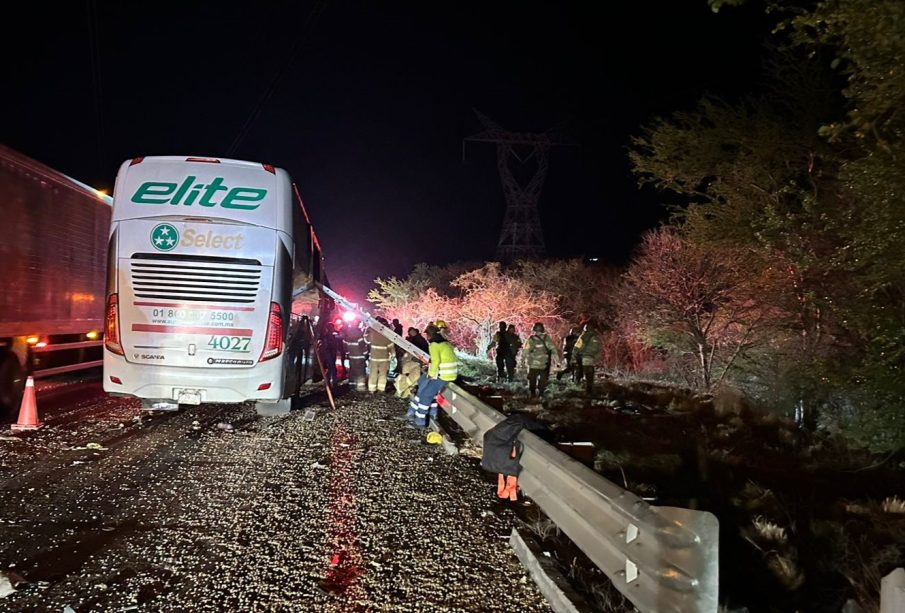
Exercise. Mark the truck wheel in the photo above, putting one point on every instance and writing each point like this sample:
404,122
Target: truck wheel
267,409
12,382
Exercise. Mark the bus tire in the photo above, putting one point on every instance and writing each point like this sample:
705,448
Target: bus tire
269,409
12,383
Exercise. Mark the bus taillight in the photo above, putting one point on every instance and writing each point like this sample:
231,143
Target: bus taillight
273,340
111,326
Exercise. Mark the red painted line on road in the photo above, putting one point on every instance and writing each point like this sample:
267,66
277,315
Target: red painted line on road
345,565
190,330
197,307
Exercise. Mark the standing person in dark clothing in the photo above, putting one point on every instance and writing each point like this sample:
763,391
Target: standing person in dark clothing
501,343
339,327
515,345
568,347
328,347
415,338
400,352
306,345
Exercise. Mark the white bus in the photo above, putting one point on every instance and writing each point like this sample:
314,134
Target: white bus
213,268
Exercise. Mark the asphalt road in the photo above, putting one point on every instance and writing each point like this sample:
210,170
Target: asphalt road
217,509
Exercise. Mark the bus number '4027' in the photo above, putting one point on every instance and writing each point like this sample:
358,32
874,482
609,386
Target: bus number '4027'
229,343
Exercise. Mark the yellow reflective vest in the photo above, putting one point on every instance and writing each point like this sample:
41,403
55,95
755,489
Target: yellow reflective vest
443,362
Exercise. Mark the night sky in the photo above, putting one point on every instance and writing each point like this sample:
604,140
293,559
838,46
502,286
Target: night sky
366,105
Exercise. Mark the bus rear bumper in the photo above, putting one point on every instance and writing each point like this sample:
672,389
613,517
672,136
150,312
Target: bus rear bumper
264,381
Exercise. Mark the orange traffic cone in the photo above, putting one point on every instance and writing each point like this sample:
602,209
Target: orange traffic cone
28,411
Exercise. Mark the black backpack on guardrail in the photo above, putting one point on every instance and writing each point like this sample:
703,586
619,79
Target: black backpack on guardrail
503,450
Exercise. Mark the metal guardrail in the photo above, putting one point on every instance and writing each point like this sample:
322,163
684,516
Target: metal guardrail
661,558
664,559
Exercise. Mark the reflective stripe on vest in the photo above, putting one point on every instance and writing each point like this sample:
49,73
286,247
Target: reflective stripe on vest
448,371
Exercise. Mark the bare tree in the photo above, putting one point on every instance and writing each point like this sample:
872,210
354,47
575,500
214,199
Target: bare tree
711,305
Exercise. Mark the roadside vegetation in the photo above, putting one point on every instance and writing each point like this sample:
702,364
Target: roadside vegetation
781,272
754,346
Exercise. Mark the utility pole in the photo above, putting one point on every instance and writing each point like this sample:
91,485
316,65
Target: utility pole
521,236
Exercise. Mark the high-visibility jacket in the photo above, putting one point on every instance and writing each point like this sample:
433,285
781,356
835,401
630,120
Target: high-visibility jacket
381,346
443,361
587,348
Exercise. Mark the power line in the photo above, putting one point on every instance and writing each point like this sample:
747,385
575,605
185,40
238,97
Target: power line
306,30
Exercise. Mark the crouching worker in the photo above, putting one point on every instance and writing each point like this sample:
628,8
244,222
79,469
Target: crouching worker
407,380
443,369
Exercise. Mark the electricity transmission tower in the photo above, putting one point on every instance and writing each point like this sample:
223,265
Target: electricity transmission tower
521,236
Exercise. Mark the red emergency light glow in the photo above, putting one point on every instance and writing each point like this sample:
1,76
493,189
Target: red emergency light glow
111,326
273,340
349,316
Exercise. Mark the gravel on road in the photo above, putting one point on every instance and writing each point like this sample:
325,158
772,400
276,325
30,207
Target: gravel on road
218,509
